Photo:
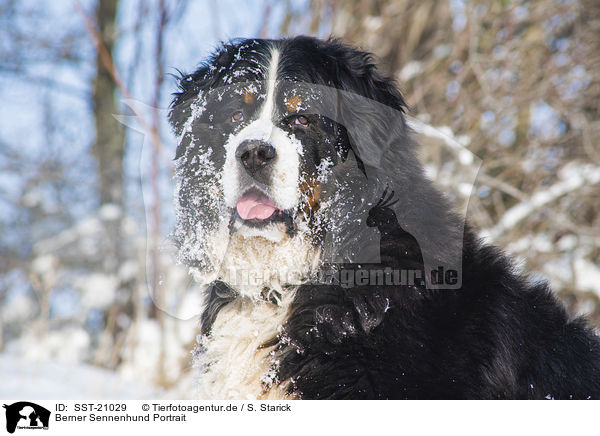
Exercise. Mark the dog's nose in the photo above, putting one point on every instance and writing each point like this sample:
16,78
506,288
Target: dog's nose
255,154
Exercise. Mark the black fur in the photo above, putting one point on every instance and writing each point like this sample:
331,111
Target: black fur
496,336
219,295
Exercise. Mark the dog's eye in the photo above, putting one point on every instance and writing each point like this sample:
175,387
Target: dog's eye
237,117
301,120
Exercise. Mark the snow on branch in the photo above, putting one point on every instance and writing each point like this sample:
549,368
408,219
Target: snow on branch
572,177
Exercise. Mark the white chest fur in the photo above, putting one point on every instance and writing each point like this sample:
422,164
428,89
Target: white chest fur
233,365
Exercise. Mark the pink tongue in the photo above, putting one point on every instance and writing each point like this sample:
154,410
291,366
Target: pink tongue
255,206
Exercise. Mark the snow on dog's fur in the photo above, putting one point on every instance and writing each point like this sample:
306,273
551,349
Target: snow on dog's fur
293,159
232,359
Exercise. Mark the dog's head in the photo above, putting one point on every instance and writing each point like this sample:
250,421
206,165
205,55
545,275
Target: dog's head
283,146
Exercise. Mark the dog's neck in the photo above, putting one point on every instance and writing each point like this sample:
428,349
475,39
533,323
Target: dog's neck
245,306
258,268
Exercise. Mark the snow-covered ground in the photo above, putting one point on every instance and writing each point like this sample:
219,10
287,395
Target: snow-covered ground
25,379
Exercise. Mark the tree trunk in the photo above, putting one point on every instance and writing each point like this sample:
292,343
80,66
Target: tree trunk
109,147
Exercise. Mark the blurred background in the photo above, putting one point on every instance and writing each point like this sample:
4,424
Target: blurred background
85,197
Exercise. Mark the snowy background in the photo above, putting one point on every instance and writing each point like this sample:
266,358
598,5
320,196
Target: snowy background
91,303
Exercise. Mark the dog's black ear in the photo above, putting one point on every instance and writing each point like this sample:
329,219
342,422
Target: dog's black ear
190,86
361,76
371,107
371,110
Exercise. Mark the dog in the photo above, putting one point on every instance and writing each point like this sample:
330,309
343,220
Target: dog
332,267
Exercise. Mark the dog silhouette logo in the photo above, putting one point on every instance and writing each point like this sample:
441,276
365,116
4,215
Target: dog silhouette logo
26,415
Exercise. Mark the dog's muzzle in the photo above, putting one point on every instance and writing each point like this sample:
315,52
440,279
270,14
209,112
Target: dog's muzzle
257,160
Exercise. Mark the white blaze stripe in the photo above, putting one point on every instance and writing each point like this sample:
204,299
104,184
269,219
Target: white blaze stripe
267,110
285,180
